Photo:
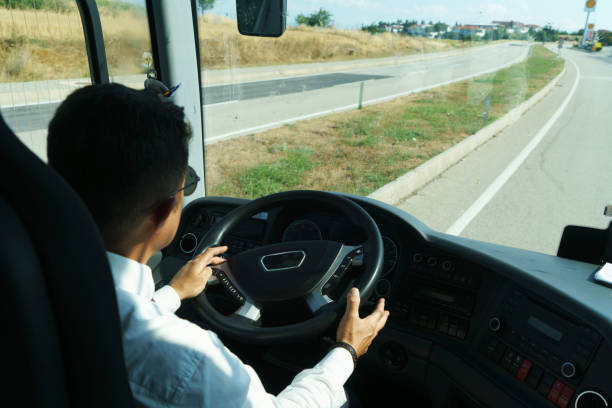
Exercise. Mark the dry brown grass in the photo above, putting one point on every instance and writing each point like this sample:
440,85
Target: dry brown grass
37,44
40,44
221,43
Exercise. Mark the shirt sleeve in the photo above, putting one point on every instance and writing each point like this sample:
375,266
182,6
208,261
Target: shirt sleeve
322,385
229,382
167,298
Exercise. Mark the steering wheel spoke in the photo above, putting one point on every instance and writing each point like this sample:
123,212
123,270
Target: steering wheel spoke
249,311
317,300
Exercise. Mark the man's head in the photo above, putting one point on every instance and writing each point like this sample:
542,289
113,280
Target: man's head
125,153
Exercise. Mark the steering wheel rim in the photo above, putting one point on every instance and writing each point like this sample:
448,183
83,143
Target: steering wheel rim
327,314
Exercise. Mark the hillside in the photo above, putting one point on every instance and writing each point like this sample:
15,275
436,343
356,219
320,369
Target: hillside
48,44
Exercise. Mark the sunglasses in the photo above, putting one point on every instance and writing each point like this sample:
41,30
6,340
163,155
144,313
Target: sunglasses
191,182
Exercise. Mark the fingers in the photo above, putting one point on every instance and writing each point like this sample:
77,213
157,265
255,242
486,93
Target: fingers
352,303
378,318
217,260
378,311
380,306
383,320
211,253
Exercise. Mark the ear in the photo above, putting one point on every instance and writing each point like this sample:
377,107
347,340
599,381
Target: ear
160,214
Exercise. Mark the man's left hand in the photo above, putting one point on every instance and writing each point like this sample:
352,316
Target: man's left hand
191,279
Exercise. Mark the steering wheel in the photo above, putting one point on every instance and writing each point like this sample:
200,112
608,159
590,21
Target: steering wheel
289,270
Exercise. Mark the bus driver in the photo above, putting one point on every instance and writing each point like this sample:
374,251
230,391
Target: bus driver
125,153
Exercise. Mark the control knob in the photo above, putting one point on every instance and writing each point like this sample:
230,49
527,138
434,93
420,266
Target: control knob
188,243
495,324
590,399
568,369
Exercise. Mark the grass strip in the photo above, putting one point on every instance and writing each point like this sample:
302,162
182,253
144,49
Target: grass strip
362,150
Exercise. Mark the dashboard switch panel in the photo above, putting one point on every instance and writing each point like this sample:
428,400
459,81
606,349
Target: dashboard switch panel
526,371
551,340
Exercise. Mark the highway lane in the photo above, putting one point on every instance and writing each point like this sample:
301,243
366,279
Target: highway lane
239,117
284,86
234,109
26,118
566,179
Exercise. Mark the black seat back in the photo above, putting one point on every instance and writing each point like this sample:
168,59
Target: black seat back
59,309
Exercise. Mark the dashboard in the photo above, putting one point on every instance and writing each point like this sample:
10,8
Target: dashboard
472,324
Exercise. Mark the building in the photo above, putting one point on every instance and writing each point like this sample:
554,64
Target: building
533,27
513,26
469,30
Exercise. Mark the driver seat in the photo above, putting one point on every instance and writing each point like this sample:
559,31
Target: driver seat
61,333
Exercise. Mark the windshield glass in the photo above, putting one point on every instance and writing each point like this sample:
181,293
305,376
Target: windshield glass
485,120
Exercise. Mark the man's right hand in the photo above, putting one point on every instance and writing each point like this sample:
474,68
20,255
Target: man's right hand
358,332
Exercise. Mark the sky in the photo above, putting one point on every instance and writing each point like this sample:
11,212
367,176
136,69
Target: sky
562,14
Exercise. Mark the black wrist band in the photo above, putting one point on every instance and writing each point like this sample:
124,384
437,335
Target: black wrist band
349,348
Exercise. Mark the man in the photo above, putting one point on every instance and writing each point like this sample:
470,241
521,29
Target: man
125,152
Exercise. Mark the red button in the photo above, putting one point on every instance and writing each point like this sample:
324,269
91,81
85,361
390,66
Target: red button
555,391
522,372
565,397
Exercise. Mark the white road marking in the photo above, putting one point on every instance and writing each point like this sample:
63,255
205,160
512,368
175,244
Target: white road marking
208,105
467,217
271,125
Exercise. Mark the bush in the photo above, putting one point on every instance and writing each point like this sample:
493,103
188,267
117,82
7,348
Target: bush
321,18
605,38
372,29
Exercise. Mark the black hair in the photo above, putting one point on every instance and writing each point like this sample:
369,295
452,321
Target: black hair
122,150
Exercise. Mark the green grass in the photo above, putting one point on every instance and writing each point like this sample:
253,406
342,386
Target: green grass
362,150
284,174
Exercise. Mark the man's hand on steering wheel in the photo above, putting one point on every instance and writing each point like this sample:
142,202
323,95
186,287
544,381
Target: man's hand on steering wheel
358,332
191,279
308,270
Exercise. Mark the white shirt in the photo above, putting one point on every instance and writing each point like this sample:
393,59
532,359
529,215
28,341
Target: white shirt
173,362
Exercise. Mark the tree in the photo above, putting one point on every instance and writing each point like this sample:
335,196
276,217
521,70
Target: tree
547,34
605,37
372,28
493,35
440,27
321,18
206,4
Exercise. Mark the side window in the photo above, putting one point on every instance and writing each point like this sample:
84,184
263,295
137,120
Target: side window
126,40
42,59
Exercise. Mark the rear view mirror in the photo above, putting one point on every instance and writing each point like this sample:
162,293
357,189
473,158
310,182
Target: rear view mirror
261,18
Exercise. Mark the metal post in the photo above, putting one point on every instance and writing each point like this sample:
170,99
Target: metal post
486,112
586,27
360,96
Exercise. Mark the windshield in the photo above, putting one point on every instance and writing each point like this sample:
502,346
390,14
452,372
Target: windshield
488,120
485,120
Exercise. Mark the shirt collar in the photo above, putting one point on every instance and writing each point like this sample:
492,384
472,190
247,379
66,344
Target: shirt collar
131,276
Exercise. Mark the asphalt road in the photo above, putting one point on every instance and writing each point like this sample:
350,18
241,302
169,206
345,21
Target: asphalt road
236,109
565,179
237,116
26,118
